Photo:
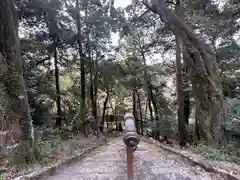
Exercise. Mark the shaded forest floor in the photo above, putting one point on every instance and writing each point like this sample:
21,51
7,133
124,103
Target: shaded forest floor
53,147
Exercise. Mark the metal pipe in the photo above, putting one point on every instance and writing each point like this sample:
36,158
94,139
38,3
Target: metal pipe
130,163
131,140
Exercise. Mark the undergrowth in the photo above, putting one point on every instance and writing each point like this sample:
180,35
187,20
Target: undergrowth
229,154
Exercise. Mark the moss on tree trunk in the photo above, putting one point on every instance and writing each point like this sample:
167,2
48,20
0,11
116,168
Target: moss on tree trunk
15,114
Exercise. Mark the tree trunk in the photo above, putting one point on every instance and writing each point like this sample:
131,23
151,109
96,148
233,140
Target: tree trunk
92,94
153,100
82,69
157,119
151,114
135,110
146,105
150,110
186,92
208,94
93,89
146,85
104,111
180,98
140,111
95,81
16,122
186,107
185,75
58,97
179,84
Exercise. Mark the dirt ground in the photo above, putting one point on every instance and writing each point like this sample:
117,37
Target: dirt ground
150,163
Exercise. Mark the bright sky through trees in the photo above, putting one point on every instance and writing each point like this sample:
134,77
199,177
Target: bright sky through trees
122,4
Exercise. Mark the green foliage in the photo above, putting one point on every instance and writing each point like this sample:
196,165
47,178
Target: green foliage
66,82
165,126
222,154
232,122
24,152
52,25
49,26
40,91
236,111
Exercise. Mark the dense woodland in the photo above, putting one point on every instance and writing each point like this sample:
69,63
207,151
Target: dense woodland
176,66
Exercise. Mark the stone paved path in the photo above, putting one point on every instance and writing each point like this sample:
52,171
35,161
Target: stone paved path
151,163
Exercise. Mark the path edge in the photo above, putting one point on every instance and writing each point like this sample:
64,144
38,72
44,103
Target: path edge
206,166
47,171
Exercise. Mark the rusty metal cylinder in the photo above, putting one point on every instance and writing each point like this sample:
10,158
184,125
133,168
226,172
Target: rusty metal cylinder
130,137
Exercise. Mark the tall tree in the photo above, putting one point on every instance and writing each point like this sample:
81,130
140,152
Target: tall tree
54,35
15,114
179,85
82,68
208,93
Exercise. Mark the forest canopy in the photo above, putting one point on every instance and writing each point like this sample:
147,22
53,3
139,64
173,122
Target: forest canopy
174,64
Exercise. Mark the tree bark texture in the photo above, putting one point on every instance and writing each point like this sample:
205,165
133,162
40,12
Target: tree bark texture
186,70
157,118
16,123
140,111
82,70
104,112
180,94
58,96
135,114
